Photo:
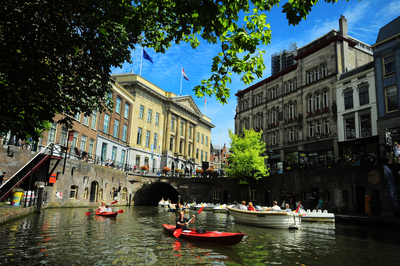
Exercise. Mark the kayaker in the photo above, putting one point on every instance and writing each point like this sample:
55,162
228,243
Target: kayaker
251,207
101,208
182,222
108,209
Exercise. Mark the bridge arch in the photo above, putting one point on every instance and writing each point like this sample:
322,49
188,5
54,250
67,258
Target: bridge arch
150,195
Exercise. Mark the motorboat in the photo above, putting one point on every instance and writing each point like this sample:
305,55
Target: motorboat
317,216
206,206
221,208
264,218
223,238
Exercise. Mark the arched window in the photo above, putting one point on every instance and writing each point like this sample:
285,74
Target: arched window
123,193
85,194
253,195
291,110
325,100
101,194
318,101
74,192
274,115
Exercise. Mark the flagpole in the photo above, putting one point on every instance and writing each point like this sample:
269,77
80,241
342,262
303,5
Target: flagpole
205,105
180,91
141,60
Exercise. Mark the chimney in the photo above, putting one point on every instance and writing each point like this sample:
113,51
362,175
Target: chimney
343,26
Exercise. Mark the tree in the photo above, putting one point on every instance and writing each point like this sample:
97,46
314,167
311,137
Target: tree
246,160
57,55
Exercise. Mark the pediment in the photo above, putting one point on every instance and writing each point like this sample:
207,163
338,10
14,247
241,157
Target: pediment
188,102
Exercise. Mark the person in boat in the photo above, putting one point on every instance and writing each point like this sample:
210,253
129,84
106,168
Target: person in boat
101,208
287,208
251,207
182,222
243,206
162,201
108,209
275,206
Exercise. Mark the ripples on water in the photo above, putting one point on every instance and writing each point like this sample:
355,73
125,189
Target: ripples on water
68,237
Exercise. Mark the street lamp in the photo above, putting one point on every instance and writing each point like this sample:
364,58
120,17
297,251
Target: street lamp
317,136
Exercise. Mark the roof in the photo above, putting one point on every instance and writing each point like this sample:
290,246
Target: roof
356,70
390,29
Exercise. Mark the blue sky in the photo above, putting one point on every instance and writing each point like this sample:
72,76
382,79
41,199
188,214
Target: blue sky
364,19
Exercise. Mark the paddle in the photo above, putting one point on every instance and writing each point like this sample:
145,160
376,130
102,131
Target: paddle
178,231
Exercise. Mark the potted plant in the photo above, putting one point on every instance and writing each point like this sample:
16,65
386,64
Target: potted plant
210,170
144,167
166,169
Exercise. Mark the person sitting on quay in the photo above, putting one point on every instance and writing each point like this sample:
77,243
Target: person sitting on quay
108,209
101,208
287,208
251,207
320,205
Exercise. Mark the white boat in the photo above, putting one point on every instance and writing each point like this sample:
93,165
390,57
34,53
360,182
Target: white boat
163,205
221,208
272,219
317,216
206,206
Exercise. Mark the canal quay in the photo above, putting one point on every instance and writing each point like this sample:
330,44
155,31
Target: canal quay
66,236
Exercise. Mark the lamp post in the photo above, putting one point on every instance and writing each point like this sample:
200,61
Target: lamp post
317,136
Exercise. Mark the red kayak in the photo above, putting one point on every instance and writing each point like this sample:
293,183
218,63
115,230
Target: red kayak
209,236
107,214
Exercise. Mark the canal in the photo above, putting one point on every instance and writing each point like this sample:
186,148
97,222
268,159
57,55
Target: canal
68,237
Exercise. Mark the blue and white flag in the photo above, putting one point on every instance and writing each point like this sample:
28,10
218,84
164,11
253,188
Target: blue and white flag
147,57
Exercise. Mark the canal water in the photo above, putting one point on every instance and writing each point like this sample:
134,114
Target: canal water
68,237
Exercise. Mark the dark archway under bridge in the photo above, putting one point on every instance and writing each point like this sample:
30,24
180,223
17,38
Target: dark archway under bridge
150,195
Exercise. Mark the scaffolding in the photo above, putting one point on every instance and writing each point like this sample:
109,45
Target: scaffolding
283,59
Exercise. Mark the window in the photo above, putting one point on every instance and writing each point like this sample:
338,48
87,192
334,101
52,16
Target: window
146,161
137,160
291,134
116,127
123,155
291,110
317,101
365,124
83,143
348,100
180,146
201,157
74,140
326,125
100,194
78,116
118,106
86,120
147,138
324,71
197,153
206,157
103,151
171,144
253,195
392,103
189,150
274,138
363,94
139,136
206,140
202,138
309,103
319,125
190,132
149,114
389,66
52,133
172,124
216,195
141,112
198,136
157,119
91,147
94,119
325,99
273,115
181,130
124,132
109,97
155,141
123,194
114,153
126,113
106,123
310,129
74,192
317,74
309,77
273,93
290,85
85,194
350,128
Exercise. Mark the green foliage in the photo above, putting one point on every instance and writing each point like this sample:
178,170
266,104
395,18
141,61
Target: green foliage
246,160
58,55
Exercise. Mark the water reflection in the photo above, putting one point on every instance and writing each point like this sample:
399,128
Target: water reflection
67,237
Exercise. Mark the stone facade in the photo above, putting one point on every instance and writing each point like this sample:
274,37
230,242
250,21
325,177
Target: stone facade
300,101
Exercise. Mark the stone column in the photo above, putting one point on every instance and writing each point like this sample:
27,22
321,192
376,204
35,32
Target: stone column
194,142
178,134
167,132
186,147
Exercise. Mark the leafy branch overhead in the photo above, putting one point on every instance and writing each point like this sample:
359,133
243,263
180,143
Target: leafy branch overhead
60,53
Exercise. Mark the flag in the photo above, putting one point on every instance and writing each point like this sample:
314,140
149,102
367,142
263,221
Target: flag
159,152
147,57
298,208
205,100
184,75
